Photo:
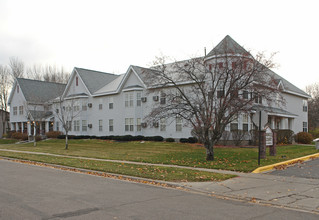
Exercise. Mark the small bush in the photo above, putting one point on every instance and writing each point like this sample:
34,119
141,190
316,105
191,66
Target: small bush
154,138
239,136
192,140
19,136
170,140
53,134
62,136
284,136
183,140
139,138
10,133
303,138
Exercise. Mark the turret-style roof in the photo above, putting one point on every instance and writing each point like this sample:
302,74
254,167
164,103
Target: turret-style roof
227,46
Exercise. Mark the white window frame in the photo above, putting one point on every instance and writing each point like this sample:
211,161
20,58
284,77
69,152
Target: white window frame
111,125
15,110
138,99
163,124
179,124
100,125
111,105
129,124
21,110
76,124
138,124
84,125
245,121
304,126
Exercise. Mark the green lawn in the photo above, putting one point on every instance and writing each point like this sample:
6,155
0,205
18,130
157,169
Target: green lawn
239,159
8,141
145,171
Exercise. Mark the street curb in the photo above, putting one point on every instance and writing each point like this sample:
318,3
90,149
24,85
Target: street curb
285,163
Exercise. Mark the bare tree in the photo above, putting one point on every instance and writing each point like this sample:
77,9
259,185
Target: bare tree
209,94
16,68
66,111
4,95
49,73
35,72
313,104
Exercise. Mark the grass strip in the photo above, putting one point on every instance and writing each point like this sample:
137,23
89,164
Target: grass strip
145,171
8,141
191,155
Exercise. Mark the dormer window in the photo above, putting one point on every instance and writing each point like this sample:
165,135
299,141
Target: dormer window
76,81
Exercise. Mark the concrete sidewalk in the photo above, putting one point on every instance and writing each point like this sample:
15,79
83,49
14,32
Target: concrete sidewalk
289,192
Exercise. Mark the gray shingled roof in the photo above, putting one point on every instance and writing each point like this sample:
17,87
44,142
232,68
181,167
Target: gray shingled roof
146,74
40,91
287,85
227,46
40,114
273,110
95,80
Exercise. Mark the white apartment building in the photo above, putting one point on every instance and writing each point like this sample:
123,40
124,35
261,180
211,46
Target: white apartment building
105,104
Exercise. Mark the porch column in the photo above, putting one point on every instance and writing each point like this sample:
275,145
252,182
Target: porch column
46,127
22,128
290,123
13,127
29,128
40,125
284,123
273,124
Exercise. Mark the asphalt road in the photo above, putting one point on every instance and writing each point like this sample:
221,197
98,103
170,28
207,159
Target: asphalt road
309,169
33,192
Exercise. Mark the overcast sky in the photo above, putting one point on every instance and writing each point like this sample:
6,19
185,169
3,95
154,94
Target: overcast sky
111,35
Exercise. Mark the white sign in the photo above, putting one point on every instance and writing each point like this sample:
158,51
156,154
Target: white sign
269,137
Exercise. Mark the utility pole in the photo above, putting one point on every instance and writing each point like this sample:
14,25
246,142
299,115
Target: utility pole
259,147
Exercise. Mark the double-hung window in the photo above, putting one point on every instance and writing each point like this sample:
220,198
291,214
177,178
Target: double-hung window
220,90
20,110
304,126
100,125
111,128
179,124
234,123
76,125
245,122
138,99
163,124
84,125
15,110
304,105
138,124
129,124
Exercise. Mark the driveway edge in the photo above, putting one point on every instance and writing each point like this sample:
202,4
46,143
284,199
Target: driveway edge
285,163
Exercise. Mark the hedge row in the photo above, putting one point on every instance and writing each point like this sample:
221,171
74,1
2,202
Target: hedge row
129,138
191,140
115,137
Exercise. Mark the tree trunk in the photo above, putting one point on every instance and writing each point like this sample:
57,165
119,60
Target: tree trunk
209,151
34,136
66,142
